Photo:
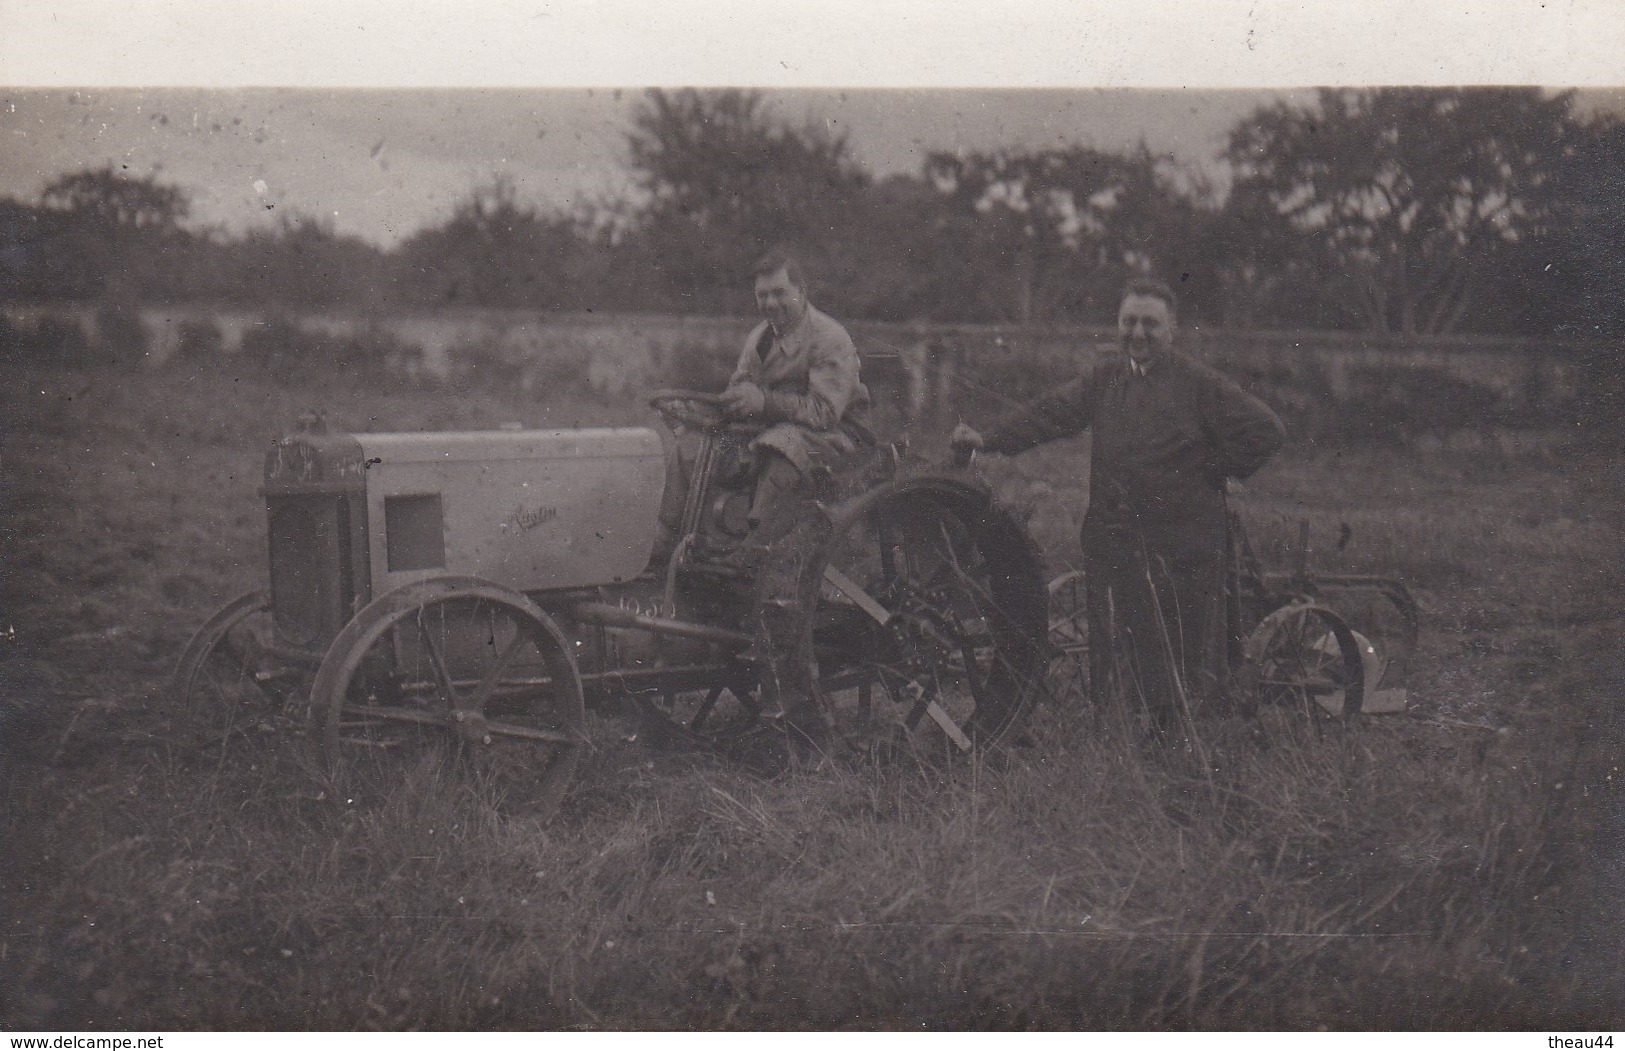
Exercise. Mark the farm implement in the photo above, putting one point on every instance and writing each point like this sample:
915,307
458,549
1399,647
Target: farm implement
1303,643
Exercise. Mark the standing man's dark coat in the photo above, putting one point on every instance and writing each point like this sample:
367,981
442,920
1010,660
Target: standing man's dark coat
1167,432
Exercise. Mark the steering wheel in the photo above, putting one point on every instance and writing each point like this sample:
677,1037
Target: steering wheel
699,409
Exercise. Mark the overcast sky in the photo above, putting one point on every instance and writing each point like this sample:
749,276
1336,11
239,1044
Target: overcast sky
382,163
356,138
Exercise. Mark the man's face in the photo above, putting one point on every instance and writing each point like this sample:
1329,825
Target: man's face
779,300
1144,327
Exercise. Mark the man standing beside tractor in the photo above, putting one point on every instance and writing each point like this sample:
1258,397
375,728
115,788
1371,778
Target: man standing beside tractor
1168,432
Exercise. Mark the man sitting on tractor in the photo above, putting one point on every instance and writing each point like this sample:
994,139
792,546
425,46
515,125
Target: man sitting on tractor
796,396
795,408
797,377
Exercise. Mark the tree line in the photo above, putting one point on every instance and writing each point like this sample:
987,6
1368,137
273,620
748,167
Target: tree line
1394,211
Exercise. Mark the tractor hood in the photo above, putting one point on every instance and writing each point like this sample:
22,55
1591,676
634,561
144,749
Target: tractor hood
530,509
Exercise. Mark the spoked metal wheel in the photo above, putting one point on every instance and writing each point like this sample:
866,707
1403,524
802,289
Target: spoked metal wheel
233,684
456,671
924,620
1067,680
1386,622
1304,664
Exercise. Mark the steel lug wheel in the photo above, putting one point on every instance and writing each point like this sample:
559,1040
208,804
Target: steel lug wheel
452,672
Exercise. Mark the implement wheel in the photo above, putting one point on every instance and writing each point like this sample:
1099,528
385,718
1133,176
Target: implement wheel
1068,677
923,619
1303,664
452,669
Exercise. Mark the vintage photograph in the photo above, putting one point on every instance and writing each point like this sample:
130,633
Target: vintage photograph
726,557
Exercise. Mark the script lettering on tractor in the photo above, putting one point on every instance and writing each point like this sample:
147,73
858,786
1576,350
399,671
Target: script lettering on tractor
530,519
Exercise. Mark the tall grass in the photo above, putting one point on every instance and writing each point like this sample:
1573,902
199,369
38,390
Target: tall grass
1422,870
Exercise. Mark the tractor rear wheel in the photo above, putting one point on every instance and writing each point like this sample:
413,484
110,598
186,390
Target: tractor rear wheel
1068,677
921,620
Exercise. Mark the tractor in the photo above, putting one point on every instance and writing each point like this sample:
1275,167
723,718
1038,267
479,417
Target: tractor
483,591
479,593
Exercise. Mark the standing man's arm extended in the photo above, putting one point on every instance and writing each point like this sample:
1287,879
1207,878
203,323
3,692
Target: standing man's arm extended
1059,414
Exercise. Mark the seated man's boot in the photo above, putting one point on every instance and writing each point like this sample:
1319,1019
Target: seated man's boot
789,704
788,699
774,509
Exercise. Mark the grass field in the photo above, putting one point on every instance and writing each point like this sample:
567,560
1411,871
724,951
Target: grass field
1455,866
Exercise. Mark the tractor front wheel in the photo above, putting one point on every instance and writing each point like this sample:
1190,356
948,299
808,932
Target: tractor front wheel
452,672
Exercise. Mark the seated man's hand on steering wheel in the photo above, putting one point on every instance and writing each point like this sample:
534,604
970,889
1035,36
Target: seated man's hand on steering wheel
744,399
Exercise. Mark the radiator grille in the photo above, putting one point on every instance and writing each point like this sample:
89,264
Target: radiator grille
312,578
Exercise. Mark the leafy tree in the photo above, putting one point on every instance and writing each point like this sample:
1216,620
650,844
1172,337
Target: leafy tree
24,250
1571,270
1570,273
1403,203
724,180
303,262
105,233
1053,233
113,201
495,251
902,260
498,252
